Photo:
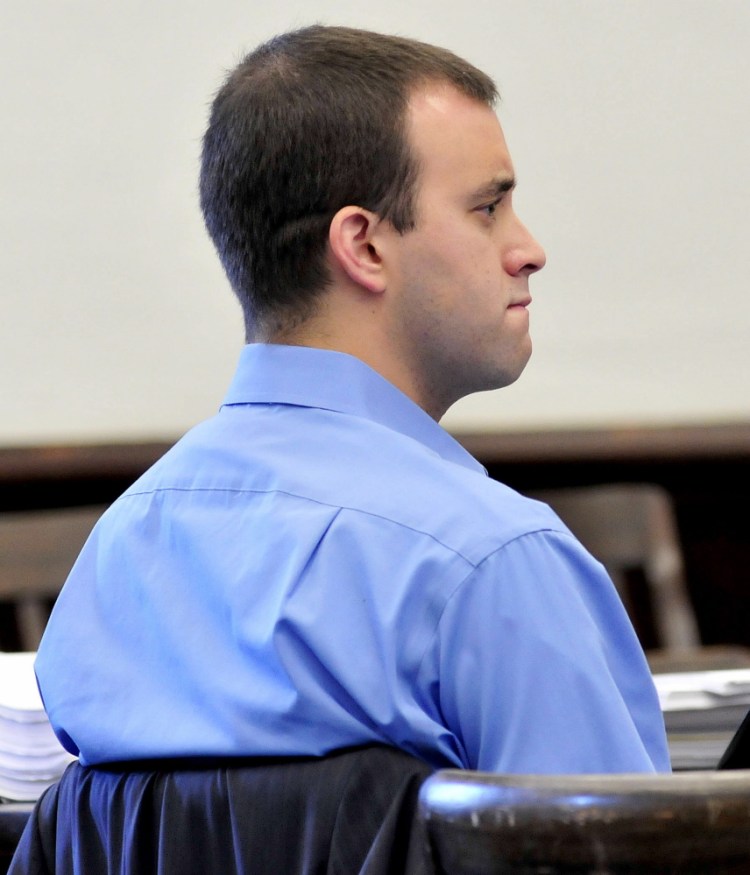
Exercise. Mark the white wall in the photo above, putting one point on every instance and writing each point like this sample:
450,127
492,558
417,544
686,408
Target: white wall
628,121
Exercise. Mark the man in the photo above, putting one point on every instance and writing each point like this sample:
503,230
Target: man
321,565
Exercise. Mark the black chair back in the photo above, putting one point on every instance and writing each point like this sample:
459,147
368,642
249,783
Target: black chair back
347,813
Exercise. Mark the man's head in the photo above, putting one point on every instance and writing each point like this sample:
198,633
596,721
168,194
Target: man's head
306,124
455,289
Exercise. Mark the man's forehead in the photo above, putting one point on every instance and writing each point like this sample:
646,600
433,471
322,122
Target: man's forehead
445,125
435,96
438,97
437,105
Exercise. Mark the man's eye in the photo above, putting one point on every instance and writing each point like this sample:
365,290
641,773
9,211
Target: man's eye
491,209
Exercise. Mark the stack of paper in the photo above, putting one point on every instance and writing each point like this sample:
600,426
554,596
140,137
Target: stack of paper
31,757
704,699
702,711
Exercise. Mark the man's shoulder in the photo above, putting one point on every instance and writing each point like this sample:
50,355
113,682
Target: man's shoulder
478,514
362,468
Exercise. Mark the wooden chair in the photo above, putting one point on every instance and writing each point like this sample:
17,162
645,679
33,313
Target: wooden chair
487,824
37,550
632,528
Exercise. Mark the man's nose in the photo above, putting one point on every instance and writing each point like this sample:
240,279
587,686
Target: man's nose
527,255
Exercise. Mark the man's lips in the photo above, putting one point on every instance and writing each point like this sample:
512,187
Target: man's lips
521,302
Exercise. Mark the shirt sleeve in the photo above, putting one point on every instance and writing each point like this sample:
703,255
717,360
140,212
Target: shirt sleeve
539,669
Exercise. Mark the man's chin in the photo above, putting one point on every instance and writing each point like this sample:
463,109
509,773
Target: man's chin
509,373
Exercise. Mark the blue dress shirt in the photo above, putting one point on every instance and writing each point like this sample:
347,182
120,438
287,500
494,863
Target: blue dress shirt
321,565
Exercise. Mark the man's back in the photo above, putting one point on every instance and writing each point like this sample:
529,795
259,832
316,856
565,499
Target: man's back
321,566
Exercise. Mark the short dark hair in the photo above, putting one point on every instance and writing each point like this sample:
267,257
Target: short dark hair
309,122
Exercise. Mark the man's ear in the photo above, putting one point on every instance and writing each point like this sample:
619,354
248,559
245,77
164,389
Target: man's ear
351,237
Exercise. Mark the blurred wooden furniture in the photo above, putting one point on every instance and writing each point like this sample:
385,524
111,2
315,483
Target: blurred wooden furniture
37,550
702,467
486,824
631,529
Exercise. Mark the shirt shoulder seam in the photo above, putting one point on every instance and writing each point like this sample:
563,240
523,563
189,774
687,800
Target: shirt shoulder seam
134,493
461,584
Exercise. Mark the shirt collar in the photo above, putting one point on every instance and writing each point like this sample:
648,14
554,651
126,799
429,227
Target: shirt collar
309,377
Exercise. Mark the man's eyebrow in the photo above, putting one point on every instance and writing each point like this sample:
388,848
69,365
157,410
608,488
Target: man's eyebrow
495,188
